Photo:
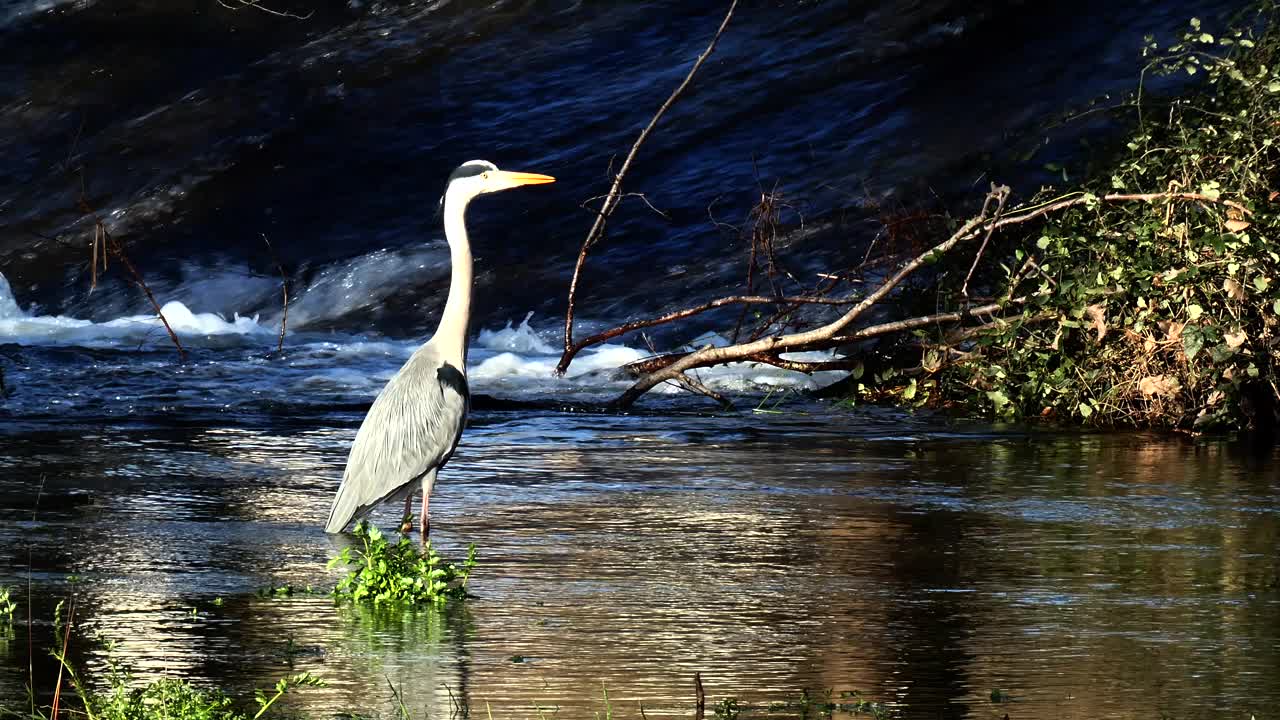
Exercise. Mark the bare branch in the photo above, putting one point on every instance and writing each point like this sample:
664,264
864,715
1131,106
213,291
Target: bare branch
769,349
625,328
284,288
241,4
695,386
611,200
654,364
109,243
977,257
801,340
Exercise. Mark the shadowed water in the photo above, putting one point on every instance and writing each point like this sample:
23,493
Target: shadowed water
921,563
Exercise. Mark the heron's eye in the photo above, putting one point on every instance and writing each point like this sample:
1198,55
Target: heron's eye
484,176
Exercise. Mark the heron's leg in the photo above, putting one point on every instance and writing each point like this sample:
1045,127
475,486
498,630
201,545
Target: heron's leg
406,520
428,481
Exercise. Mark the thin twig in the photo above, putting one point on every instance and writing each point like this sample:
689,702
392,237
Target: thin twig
109,243
693,385
259,6
982,249
611,200
284,288
642,196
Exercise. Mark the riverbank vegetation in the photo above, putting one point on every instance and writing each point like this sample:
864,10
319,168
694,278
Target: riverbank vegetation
1144,295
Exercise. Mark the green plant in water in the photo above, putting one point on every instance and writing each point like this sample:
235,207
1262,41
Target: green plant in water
7,609
727,709
382,571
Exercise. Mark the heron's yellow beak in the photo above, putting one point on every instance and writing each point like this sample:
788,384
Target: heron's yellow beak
504,179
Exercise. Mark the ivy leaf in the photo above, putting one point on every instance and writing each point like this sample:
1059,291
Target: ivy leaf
1086,410
998,398
1192,343
1194,312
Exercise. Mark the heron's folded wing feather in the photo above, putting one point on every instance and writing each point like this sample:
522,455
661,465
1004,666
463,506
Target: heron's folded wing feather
412,427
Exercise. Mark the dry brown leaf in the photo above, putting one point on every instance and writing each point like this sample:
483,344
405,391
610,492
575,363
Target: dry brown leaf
1233,288
1236,339
1159,385
1272,197
1215,397
1172,330
1149,345
1237,225
1097,314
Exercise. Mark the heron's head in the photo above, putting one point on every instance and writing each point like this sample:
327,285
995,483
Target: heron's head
477,177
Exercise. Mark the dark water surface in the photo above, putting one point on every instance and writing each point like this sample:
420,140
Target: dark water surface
922,564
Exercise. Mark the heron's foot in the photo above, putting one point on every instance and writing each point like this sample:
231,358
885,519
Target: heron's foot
406,524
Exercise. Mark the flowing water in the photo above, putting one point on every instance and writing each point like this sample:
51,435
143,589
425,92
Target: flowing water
921,561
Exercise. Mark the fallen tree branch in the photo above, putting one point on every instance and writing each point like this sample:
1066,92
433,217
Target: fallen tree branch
648,365
612,199
579,346
769,349
801,340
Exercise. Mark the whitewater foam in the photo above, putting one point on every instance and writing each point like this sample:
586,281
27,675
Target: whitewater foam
515,359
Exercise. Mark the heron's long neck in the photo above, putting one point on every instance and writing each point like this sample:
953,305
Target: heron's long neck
451,336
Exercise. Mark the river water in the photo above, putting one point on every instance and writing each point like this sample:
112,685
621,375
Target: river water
922,561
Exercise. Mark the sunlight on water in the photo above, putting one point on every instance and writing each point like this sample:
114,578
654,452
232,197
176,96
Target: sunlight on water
1086,576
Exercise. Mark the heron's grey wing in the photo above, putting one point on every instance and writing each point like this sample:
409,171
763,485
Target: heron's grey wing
413,426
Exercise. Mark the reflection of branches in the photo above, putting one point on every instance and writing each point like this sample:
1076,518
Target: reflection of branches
255,4
611,200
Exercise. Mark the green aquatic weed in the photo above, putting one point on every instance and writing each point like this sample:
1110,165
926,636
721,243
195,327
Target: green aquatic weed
382,571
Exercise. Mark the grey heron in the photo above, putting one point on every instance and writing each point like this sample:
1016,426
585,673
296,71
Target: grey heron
415,423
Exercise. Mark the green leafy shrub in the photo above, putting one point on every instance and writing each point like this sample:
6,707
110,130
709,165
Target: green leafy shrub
1161,313
398,572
